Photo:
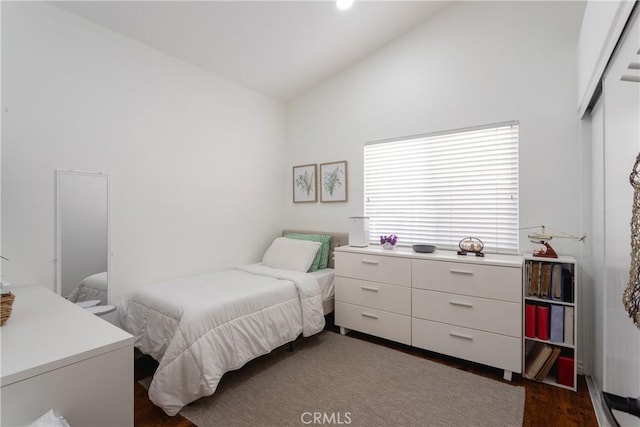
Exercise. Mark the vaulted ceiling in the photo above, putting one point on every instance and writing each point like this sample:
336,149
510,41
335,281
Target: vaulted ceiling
279,48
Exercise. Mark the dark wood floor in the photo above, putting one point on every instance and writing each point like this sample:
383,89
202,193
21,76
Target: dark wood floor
545,405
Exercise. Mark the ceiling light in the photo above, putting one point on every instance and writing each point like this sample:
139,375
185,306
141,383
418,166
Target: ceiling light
344,4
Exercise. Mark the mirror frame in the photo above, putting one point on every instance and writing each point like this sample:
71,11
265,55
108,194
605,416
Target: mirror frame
58,259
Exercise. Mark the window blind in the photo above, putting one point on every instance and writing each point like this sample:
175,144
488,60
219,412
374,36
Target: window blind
440,188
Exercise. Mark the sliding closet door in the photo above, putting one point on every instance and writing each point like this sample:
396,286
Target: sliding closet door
597,242
621,146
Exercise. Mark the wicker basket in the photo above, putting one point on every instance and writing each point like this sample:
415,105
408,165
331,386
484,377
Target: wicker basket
6,304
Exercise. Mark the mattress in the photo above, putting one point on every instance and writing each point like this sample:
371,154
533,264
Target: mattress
327,282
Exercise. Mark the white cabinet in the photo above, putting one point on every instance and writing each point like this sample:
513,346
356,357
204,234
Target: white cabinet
55,355
463,306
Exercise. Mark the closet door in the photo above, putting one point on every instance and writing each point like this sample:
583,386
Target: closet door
597,244
621,146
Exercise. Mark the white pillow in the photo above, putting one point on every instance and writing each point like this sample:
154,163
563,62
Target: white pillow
291,254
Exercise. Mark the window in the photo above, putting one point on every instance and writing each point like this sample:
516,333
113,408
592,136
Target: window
440,188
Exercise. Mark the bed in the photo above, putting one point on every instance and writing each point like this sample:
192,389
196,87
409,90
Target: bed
93,287
200,327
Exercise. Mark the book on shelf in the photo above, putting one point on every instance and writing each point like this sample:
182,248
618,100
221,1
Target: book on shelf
545,280
566,366
557,324
530,320
548,364
549,280
529,346
568,325
556,282
538,355
534,279
542,322
567,285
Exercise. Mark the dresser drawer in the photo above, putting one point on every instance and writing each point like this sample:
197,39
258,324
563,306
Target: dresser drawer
375,268
380,323
396,299
486,281
500,317
482,347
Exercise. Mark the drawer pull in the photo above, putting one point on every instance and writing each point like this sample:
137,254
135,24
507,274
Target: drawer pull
369,315
461,304
468,273
369,288
457,335
370,262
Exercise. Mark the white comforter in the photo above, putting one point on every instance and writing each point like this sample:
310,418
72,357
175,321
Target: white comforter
200,327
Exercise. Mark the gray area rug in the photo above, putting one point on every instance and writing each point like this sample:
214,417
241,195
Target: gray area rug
334,380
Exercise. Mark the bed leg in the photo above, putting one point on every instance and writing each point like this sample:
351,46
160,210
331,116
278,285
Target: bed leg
291,347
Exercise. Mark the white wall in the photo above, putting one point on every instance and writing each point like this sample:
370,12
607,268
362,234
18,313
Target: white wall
1,260
195,160
474,63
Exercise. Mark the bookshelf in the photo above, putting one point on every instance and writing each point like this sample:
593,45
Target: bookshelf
550,320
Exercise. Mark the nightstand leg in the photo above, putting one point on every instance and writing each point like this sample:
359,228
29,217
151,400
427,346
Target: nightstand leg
507,375
343,330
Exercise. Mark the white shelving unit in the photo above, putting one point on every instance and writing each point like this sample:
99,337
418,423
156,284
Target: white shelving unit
535,269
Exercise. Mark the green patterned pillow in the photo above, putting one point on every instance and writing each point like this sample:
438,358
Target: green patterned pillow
322,257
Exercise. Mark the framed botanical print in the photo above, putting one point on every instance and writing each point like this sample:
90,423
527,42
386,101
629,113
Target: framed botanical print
333,182
305,183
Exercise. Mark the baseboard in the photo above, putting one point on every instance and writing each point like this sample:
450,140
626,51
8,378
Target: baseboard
596,401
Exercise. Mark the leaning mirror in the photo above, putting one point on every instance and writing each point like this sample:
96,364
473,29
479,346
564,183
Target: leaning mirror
82,208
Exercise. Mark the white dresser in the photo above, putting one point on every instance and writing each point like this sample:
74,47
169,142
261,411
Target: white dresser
55,355
464,306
